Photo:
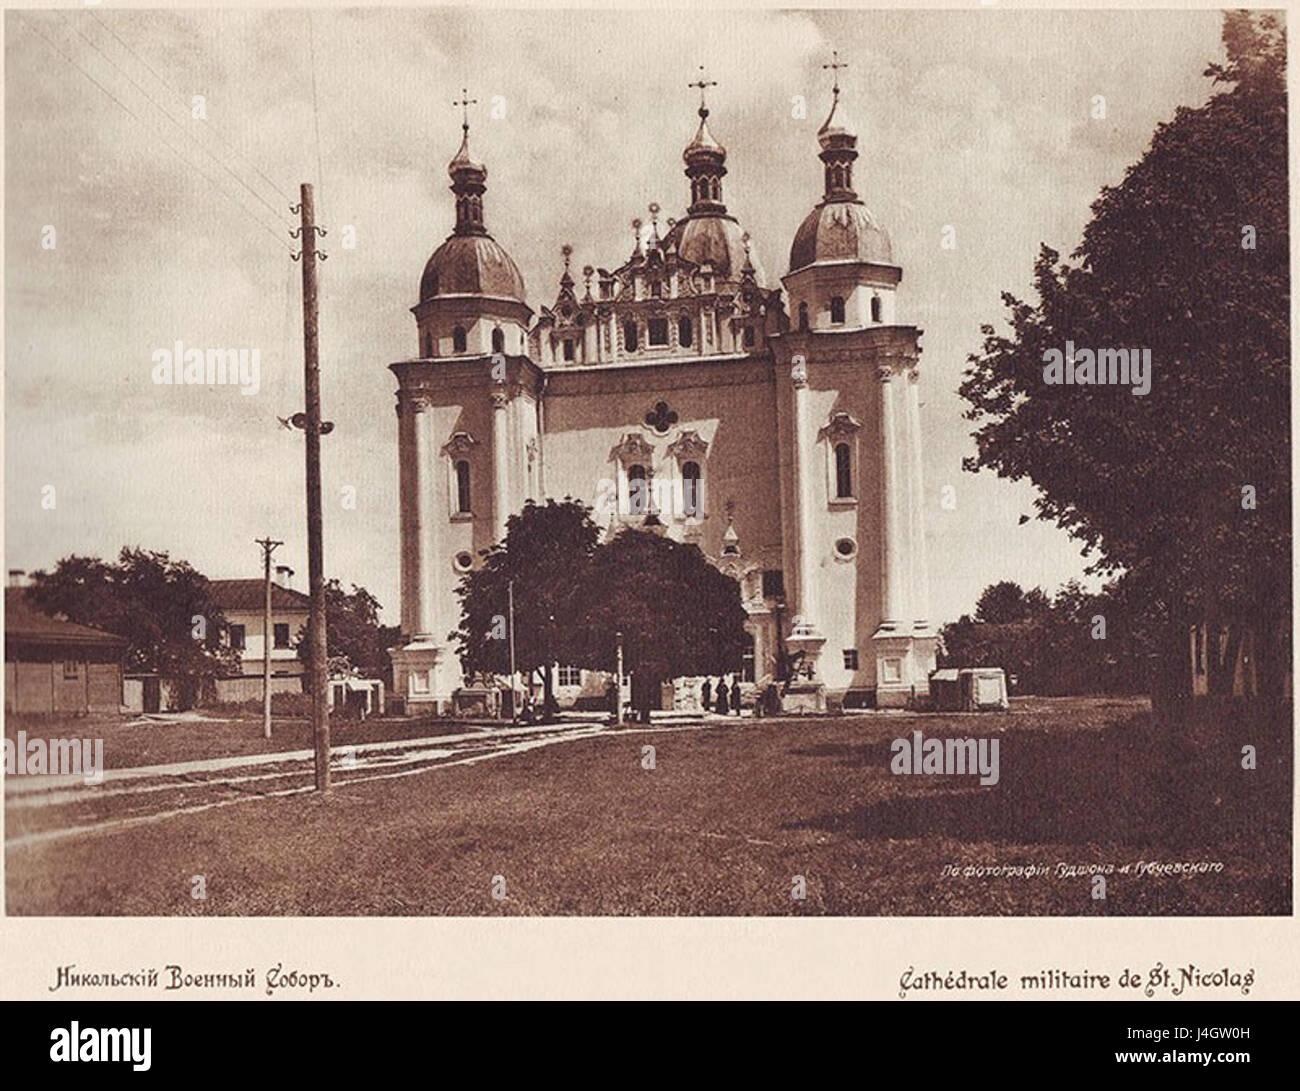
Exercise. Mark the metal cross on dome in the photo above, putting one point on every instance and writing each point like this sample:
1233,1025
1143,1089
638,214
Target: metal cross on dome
661,418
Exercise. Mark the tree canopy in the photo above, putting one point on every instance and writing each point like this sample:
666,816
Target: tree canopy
1185,490
678,614
162,608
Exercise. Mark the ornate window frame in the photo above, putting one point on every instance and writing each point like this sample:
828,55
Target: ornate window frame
689,446
632,450
459,449
842,427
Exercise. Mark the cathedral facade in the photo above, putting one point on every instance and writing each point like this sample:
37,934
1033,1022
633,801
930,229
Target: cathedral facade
775,425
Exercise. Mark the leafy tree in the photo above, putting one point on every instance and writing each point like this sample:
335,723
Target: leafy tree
1074,643
1008,601
1185,490
162,608
355,639
545,555
679,615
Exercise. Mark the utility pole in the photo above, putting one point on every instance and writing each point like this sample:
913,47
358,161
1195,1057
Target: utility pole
514,697
268,547
311,425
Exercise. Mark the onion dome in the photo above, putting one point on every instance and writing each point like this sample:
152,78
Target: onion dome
707,236
717,241
470,261
840,228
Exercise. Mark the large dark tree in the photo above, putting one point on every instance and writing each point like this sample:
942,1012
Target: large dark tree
545,555
678,614
162,608
1185,490
353,634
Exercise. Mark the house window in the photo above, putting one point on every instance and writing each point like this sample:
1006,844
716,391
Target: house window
843,471
803,317
850,659
281,634
458,342
629,336
773,583
238,638
657,331
684,332
71,670
747,658
692,498
875,308
568,676
749,337
1200,648
498,340
462,487
638,490
837,310
845,548
568,348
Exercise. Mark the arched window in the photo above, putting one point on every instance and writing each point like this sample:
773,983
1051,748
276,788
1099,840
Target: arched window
803,316
638,490
837,310
498,340
684,331
462,487
875,308
843,471
629,336
692,501
458,339
428,345
568,348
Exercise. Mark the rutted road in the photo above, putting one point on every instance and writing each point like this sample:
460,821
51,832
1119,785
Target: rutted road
39,809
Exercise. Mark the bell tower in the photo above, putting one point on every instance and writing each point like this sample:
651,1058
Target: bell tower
850,420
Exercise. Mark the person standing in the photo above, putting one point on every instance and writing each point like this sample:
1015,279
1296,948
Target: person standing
708,694
735,695
721,706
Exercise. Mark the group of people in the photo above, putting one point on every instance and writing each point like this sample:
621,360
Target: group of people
722,699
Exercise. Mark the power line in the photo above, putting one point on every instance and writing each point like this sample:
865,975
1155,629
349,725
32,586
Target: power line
253,219
170,89
185,132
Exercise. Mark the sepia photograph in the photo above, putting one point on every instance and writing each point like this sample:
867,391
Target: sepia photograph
642,463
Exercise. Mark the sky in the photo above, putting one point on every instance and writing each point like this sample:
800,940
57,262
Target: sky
170,227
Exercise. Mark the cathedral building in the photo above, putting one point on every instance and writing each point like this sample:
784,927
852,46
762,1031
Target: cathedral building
775,425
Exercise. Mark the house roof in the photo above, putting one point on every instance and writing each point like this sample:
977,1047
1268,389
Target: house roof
250,595
24,621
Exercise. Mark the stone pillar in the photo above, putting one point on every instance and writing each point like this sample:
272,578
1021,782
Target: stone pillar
891,568
920,588
421,518
500,465
803,480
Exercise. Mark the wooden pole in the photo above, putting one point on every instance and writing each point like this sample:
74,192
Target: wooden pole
315,548
268,547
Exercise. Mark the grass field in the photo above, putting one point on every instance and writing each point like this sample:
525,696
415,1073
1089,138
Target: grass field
726,820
